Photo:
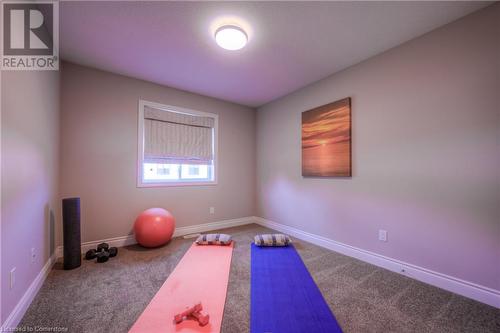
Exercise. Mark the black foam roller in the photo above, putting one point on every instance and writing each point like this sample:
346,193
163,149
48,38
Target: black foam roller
71,233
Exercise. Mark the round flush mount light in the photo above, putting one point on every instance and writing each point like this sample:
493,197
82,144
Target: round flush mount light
231,37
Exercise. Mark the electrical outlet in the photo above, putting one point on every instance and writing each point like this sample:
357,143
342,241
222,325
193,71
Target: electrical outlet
382,235
12,277
33,255
212,210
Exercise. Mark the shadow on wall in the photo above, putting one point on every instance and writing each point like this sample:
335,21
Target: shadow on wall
51,223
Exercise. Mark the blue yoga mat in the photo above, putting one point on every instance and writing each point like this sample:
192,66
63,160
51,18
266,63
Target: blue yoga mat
284,297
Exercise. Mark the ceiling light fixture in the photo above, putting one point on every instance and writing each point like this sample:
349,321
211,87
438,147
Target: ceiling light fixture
231,37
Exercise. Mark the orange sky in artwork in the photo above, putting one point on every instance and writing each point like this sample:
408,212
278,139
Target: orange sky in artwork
323,126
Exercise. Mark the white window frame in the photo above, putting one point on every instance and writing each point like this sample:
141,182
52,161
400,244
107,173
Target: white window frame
140,146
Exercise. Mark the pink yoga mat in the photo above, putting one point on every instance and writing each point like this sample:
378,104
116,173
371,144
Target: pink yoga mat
202,276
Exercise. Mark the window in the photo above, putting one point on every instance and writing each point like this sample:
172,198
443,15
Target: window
176,146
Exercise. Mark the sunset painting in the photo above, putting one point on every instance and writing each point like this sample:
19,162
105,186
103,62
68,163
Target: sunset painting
326,140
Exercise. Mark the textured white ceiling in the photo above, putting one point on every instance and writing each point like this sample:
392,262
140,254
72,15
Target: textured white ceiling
292,44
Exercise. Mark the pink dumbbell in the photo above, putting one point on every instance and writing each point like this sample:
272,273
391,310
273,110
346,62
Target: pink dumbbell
194,312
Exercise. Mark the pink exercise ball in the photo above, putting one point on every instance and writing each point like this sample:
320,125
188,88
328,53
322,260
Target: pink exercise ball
154,227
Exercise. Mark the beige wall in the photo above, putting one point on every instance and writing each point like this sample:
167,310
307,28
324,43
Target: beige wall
99,154
426,156
30,160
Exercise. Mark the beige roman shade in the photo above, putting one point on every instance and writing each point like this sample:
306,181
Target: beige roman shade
171,137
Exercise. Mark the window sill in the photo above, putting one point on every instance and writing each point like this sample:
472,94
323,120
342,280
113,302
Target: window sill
176,184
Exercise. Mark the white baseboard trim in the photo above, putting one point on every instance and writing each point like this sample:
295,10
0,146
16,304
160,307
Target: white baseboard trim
465,288
115,241
17,314
213,226
181,231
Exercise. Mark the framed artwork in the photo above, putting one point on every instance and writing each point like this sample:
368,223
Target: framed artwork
326,140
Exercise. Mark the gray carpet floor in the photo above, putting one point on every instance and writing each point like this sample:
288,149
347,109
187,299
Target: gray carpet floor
364,298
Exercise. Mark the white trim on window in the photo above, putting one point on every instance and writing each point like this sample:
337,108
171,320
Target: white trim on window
140,146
